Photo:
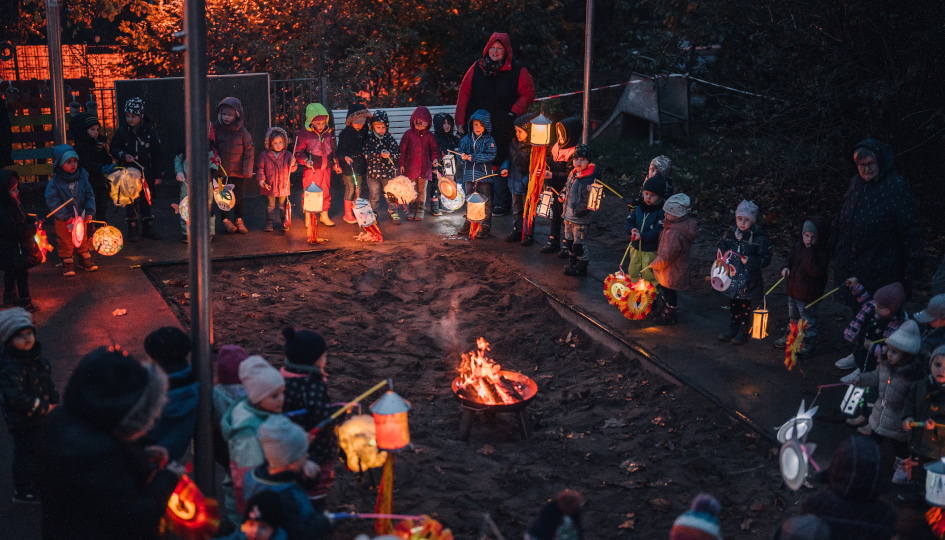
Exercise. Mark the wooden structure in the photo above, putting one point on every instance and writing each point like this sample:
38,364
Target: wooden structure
660,100
399,117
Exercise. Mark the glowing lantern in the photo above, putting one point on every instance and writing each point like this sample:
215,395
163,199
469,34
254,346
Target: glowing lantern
77,224
224,197
190,515
759,324
447,187
636,303
595,196
356,438
458,199
541,131
476,208
363,213
449,165
107,241
390,421
42,241
183,209
615,287
312,200
545,202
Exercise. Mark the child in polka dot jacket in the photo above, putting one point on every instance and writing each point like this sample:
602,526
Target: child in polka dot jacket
306,395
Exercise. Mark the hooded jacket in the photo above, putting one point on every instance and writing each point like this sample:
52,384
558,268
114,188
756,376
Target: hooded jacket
519,156
559,154
62,187
299,518
756,248
233,144
351,143
648,220
16,229
671,266
505,95
808,265
445,140
26,388
576,194
878,232
274,168
142,142
239,428
895,384
93,154
418,148
481,148
378,166
314,150
175,428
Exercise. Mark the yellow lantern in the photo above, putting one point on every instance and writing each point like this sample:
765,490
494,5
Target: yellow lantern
312,199
107,240
390,421
356,438
541,131
544,203
476,208
759,324
595,196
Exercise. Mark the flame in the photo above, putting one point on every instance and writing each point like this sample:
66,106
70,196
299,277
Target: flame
481,373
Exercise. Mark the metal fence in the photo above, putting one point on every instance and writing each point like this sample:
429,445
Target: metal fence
289,97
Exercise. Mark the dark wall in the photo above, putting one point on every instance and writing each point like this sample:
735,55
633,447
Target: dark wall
164,104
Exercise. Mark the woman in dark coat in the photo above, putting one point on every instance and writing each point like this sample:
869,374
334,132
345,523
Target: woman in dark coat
503,87
878,235
18,251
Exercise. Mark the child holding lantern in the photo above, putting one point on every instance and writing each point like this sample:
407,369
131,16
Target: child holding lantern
478,150
746,248
233,145
67,182
671,266
419,153
577,216
558,158
877,319
382,153
351,156
315,151
273,168
515,168
925,411
645,223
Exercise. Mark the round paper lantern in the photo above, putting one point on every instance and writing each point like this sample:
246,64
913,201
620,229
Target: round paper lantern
457,201
191,515
447,188
390,421
636,303
184,209
77,224
615,286
107,240
356,438
224,197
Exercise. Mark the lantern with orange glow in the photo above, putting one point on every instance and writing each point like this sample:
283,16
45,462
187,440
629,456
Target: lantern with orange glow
541,131
313,198
759,324
615,286
42,241
357,438
107,240
77,225
449,165
595,196
190,515
390,422
636,303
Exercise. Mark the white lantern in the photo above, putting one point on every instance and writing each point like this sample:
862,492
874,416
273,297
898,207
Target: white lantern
476,208
719,276
595,196
312,199
457,201
544,203
449,165
363,212
541,131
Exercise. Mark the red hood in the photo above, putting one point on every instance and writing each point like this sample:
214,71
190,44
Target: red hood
421,113
504,40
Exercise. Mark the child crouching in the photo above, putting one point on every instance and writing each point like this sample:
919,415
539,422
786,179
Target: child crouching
671,265
577,216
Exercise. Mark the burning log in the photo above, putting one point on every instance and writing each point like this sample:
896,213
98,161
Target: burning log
510,386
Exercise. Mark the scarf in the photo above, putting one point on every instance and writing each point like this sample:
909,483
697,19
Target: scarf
489,67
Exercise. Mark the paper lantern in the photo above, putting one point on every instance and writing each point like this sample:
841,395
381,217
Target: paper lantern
288,214
719,277
457,201
42,241
792,461
77,224
541,131
759,324
224,197
190,515
595,196
184,209
851,401
107,240
799,426
615,287
636,303
447,187
476,208
312,200
545,202
390,421
363,213
356,438
449,165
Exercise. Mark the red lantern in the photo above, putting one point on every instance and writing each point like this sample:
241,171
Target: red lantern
390,421
190,515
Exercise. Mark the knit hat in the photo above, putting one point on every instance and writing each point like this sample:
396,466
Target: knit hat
265,506
655,184
747,209
62,153
939,351
700,522
891,297
259,378
662,164
906,338
112,391
809,226
855,470
357,114
12,321
677,205
168,346
524,122
228,363
135,105
283,442
302,349
934,310
582,151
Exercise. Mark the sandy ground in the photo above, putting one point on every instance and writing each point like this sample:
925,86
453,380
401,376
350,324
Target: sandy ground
638,447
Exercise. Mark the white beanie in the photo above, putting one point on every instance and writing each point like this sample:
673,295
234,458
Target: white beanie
259,378
283,442
747,209
906,338
677,205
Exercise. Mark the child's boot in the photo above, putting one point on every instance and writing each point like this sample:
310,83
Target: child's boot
284,216
552,246
730,333
528,240
268,227
464,230
228,225
132,230
577,267
421,201
667,316
67,269
323,219
781,342
484,231
87,264
565,251
349,213
435,206
741,337
901,474
240,226
516,233
148,229
395,217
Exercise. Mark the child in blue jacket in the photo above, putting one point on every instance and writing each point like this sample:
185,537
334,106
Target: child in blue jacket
168,347
645,223
478,150
68,181
577,216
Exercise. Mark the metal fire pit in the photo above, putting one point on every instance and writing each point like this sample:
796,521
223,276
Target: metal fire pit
474,409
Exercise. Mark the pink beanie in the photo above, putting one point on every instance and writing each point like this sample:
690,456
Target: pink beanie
228,364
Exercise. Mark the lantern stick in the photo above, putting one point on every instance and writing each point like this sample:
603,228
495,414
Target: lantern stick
610,188
455,152
357,515
488,176
624,256
344,409
58,208
96,221
821,298
775,285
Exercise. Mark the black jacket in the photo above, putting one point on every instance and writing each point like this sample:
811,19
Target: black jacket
808,265
27,388
93,153
142,142
16,231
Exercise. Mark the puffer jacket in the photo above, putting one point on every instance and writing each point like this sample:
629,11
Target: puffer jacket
93,153
927,402
379,166
239,428
62,187
648,221
895,384
16,231
808,265
351,142
314,150
418,148
274,168
26,387
756,248
671,266
306,388
142,142
576,194
482,150
233,144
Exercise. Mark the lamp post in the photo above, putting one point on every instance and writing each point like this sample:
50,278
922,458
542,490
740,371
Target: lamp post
586,102
54,41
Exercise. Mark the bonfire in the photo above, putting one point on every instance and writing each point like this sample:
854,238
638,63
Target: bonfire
482,380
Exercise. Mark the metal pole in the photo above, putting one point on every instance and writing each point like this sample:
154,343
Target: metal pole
586,107
195,95
54,40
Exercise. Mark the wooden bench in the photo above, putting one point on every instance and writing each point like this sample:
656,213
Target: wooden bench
398,117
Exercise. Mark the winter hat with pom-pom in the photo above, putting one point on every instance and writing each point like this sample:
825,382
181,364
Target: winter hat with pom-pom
228,363
302,349
906,338
701,522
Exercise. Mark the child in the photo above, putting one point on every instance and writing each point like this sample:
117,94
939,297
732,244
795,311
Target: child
265,392
559,167
272,172
896,373
926,404
180,171
747,249
664,167
227,391
351,156
446,140
28,395
478,150
700,521
381,152
806,275
89,144
315,151
671,265
262,520
136,144
18,251
645,223
933,320
419,153
169,347
515,167
306,387
559,519
577,217
233,146
68,181
876,320
284,472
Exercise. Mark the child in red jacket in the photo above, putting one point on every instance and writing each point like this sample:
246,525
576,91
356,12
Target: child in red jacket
272,172
419,153
233,146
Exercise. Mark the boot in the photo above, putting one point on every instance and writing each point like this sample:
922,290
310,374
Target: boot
67,269
552,246
516,233
484,231
395,217
435,206
781,342
323,219
268,227
240,226
132,230
464,230
87,264
28,304
658,306
667,316
730,333
420,203
901,476
579,269
228,225
741,337
284,216
565,251
571,268
528,240
349,213
148,229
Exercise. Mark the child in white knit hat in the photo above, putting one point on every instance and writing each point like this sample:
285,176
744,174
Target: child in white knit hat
671,266
745,250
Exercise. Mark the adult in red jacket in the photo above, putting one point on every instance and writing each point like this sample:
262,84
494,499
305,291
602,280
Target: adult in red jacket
503,87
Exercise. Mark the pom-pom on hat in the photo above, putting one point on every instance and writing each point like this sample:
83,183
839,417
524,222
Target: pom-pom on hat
582,151
891,297
677,205
283,442
135,105
259,378
168,347
12,321
228,363
701,522
747,209
266,507
906,338
655,184
302,349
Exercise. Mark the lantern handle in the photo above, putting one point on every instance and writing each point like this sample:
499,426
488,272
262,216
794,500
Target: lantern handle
620,266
